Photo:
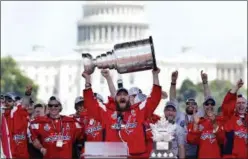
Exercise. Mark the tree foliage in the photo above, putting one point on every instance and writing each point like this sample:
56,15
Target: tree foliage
12,79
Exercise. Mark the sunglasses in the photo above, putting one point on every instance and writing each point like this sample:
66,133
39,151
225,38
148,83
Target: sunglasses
7,99
188,103
53,105
212,104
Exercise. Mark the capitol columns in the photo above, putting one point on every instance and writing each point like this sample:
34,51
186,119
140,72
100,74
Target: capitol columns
115,37
232,75
121,32
97,31
127,32
219,74
91,34
103,34
109,33
132,32
226,74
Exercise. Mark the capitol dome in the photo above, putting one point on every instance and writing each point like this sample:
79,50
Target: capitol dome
105,23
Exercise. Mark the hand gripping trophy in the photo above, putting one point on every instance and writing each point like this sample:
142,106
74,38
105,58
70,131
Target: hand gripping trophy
163,133
125,57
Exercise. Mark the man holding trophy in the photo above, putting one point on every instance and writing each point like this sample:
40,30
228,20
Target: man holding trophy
124,121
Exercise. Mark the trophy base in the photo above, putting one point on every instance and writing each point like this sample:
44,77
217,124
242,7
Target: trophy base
162,150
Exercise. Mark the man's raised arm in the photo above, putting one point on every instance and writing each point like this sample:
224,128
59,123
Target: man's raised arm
105,73
206,88
173,92
229,102
151,103
94,108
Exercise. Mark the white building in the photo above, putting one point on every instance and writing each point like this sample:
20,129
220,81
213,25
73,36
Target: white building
104,24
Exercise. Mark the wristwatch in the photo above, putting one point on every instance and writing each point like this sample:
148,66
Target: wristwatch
87,85
173,83
205,82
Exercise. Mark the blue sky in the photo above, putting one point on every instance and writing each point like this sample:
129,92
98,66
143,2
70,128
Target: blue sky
214,29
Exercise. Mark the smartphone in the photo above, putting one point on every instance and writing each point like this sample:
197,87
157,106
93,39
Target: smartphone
120,83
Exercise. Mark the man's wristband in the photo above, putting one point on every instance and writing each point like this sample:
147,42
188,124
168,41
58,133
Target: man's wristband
87,85
205,82
173,83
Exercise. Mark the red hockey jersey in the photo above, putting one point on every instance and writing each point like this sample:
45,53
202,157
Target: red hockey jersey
17,122
235,145
48,131
206,138
133,118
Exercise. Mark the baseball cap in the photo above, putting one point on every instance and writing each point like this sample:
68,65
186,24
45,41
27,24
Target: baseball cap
122,90
134,91
241,96
140,97
209,98
98,96
17,98
189,100
10,95
170,104
54,98
79,99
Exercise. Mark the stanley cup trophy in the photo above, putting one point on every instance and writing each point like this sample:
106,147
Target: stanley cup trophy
125,57
163,134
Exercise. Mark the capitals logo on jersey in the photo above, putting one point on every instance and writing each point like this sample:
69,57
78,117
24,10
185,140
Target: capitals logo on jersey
93,128
131,124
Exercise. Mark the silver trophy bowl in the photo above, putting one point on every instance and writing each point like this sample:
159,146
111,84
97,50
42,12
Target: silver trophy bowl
126,57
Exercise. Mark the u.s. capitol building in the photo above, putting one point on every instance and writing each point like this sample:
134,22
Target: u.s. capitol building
104,24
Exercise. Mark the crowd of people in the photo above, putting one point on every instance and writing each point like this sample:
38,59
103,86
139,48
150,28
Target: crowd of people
32,130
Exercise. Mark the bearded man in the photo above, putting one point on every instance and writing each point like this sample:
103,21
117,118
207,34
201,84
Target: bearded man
123,121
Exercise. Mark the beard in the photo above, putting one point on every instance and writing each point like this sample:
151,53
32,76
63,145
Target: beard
170,120
189,112
119,108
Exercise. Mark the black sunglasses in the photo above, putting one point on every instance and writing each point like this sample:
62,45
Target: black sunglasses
8,99
210,103
53,105
188,103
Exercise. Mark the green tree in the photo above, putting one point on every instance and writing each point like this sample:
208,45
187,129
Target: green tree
12,79
219,89
187,90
